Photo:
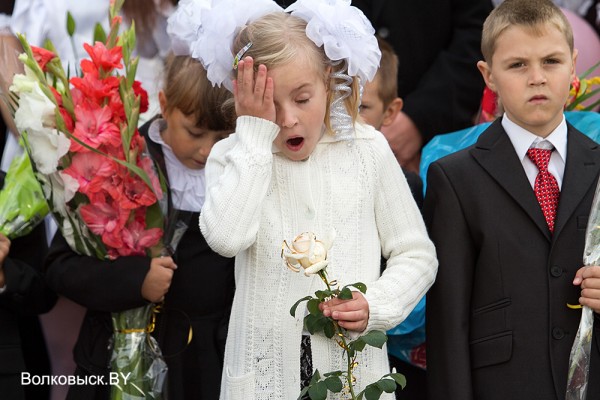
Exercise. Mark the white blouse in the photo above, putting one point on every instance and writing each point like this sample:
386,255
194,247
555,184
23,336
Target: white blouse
187,185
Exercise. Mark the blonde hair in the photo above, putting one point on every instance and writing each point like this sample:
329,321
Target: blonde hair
532,14
187,89
387,89
280,39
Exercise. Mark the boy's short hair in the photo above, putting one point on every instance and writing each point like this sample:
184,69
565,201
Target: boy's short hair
387,74
187,88
527,13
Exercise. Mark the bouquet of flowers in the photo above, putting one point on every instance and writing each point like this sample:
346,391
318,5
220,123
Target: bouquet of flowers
310,254
584,92
579,360
101,186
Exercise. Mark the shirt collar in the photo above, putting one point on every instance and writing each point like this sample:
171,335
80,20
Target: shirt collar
522,139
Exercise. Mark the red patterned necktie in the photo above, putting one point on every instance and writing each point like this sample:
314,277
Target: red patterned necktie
545,187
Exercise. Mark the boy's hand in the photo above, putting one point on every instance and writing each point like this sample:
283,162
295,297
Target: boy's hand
4,249
158,279
253,94
349,314
589,280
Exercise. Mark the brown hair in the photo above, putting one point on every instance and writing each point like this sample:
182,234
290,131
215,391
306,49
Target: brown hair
187,88
532,14
144,12
387,89
279,39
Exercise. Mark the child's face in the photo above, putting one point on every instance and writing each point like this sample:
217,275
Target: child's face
300,98
190,144
372,109
531,73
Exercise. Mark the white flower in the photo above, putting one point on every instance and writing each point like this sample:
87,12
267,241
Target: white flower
36,110
59,188
47,147
307,252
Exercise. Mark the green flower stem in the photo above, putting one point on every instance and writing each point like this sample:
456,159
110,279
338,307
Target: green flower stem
340,332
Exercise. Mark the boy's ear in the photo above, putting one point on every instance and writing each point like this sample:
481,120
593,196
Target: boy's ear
574,72
486,72
392,111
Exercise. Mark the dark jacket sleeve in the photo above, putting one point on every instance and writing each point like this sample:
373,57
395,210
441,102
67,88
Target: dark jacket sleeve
100,285
448,301
26,291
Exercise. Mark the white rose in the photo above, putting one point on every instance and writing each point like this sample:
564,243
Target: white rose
307,252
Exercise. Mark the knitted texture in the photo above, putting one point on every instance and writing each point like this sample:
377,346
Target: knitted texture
256,198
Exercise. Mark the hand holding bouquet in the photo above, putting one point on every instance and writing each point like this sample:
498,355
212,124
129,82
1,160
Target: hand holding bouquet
310,254
101,186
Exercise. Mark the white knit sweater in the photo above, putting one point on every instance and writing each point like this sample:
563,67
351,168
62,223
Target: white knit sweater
257,197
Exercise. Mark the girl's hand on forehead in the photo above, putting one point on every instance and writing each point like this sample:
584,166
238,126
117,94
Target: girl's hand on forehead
253,92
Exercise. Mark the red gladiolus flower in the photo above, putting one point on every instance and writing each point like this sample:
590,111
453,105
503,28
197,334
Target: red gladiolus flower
105,219
141,92
94,127
103,58
136,194
42,56
136,238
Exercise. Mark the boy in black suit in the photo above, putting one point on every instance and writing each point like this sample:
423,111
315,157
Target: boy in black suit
498,325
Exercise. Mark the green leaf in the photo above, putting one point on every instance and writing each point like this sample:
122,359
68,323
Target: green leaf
333,373
70,24
357,345
345,294
318,391
293,309
399,378
360,286
316,377
315,323
387,385
373,392
323,294
334,384
99,33
303,392
329,329
313,307
375,339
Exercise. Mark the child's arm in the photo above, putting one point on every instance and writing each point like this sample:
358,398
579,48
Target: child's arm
412,263
238,171
448,309
589,280
110,286
22,286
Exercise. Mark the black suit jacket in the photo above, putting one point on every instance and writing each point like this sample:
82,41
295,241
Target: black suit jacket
498,325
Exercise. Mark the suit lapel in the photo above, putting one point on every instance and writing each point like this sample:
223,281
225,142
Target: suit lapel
496,154
580,175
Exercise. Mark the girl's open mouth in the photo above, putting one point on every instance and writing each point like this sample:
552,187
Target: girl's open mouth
295,143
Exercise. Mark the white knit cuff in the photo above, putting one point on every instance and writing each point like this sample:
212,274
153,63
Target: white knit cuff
256,133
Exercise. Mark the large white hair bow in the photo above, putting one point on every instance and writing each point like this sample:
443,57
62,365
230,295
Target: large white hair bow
185,24
343,31
220,25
